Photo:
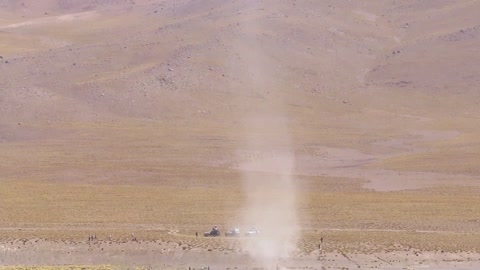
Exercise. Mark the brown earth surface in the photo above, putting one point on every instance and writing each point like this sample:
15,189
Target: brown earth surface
120,117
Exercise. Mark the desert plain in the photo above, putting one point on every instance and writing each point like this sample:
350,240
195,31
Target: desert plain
347,132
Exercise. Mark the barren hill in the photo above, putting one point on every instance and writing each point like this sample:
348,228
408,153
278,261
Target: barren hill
376,96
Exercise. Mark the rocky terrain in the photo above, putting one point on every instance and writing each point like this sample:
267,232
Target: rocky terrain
122,116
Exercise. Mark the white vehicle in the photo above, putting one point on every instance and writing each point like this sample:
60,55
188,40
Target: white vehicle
252,232
233,232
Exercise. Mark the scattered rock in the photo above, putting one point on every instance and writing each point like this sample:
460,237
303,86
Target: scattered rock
400,83
170,69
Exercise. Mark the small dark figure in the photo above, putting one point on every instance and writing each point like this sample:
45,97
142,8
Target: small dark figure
321,240
134,238
196,234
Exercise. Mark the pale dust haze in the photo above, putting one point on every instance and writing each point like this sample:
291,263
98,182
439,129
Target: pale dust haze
356,122
270,198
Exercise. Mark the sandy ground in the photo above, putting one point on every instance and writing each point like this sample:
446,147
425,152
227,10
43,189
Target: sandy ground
134,112
164,255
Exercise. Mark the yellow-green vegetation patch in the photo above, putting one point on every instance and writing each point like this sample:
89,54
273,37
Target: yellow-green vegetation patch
66,203
439,218
457,155
441,209
458,161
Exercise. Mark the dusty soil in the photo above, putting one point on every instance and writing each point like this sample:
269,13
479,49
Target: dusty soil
170,255
146,116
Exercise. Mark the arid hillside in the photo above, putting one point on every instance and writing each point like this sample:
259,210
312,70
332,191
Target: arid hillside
139,112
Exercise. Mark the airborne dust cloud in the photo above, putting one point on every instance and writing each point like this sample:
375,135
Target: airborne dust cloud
268,180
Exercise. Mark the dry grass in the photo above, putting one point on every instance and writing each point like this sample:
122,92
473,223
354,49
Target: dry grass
366,242
144,179
364,220
39,203
69,267
455,156
466,162
75,267
106,165
396,211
